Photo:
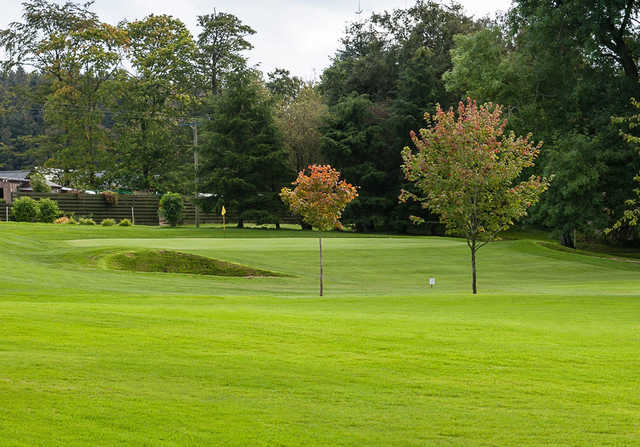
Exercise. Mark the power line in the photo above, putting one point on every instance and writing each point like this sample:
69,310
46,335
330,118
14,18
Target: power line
125,113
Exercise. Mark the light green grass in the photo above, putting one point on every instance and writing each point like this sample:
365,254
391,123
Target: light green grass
547,354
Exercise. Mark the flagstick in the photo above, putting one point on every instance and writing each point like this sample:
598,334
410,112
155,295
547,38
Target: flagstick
223,211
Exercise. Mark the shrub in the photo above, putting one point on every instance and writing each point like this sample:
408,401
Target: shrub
86,221
25,209
61,220
72,221
260,217
125,223
3,203
171,205
108,222
49,210
110,197
39,183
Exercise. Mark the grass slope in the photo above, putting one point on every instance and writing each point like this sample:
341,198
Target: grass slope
168,261
548,354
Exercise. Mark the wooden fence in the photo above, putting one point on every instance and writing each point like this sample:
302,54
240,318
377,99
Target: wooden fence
189,217
142,208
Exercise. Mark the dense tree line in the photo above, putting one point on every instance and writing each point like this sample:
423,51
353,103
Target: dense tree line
21,118
114,105
387,74
563,70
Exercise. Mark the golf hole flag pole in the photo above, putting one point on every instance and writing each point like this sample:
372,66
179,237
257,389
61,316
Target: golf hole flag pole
224,213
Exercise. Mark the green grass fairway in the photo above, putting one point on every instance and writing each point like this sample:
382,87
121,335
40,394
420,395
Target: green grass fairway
547,354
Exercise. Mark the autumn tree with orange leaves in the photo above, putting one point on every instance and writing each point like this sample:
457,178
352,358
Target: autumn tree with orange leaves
465,168
319,198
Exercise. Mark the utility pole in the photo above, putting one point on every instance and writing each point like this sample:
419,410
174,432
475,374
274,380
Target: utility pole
194,126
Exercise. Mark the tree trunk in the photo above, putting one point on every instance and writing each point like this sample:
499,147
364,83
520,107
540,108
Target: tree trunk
623,51
567,239
474,284
277,225
214,76
240,223
304,225
321,273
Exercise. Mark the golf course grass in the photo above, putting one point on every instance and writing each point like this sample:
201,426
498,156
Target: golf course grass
547,354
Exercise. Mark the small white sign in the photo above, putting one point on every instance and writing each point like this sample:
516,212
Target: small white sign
432,282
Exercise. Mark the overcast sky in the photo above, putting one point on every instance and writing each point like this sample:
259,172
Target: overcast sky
299,35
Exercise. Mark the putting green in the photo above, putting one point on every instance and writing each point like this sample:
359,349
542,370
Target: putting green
390,265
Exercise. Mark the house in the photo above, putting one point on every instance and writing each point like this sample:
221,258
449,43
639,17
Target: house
14,181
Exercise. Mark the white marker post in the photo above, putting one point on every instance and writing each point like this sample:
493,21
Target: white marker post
432,282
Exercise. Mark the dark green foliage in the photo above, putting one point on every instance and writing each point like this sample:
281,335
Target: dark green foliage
376,52
171,206
244,161
363,65
79,55
220,43
386,75
99,117
354,143
607,32
152,148
559,72
175,262
261,217
25,209
48,210
21,118
587,181
284,86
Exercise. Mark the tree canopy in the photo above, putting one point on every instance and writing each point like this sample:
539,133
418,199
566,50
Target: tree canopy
110,106
244,160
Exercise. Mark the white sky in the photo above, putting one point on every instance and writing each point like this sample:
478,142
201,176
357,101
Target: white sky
299,35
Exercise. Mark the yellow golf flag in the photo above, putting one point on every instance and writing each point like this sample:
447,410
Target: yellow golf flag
224,211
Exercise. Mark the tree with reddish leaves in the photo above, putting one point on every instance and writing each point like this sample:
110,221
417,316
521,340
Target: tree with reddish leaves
466,167
319,198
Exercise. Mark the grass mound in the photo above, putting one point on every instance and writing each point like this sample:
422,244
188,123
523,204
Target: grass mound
167,261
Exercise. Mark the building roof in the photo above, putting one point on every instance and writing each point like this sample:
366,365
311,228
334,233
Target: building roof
16,176
23,177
